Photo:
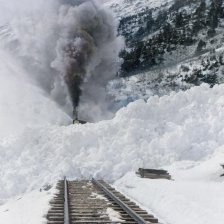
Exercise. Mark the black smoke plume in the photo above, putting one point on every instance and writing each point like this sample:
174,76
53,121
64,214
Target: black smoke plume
87,50
70,49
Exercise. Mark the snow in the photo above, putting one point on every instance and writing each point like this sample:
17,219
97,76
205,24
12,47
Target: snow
194,196
114,215
181,126
27,209
184,128
180,201
124,8
182,132
98,196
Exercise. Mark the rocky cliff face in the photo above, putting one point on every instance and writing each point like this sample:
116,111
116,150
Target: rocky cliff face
163,34
171,45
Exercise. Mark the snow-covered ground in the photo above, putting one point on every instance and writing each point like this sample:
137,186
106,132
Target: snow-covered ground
26,209
184,128
182,132
180,201
123,8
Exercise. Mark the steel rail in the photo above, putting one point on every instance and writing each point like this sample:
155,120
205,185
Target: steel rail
127,209
66,206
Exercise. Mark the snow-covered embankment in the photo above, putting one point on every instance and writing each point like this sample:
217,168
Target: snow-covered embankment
35,149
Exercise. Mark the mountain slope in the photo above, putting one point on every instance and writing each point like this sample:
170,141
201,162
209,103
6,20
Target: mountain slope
171,45
180,131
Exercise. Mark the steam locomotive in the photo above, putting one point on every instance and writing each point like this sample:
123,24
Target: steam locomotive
75,117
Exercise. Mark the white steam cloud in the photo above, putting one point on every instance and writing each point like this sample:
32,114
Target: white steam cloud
68,45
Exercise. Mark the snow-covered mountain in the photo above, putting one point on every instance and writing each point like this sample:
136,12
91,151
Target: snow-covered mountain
127,8
181,131
170,45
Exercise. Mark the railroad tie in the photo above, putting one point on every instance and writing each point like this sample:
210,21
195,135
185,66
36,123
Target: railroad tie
95,201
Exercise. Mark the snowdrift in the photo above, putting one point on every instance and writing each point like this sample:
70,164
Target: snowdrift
177,202
182,126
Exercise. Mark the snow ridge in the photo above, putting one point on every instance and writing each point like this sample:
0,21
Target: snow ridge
178,127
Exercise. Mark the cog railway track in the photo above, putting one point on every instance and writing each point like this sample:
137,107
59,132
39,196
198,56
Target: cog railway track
79,202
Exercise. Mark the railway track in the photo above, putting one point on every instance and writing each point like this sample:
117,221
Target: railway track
79,202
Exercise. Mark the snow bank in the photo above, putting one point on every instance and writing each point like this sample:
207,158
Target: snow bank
22,105
177,202
27,209
182,132
183,126
195,196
